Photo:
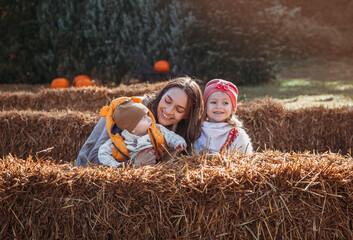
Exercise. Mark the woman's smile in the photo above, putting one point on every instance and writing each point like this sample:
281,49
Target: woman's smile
164,115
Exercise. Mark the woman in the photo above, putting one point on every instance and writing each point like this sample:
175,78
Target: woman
178,107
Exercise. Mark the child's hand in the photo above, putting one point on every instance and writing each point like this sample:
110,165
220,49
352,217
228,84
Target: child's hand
180,146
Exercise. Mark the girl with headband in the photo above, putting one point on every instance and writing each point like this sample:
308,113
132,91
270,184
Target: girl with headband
221,129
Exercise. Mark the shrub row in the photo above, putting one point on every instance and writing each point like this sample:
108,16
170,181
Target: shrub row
233,39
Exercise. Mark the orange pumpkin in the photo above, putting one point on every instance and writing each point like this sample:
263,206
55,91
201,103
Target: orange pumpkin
60,83
161,66
79,77
83,82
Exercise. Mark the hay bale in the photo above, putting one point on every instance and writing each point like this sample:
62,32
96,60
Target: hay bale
59,134
269,125
269,195
79,99
319,129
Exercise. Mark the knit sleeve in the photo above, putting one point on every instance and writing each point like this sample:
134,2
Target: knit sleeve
171,137
105,155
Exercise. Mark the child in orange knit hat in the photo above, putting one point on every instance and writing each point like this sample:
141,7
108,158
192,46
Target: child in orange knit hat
132,122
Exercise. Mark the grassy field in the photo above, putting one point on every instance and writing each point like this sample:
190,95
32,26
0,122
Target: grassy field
308,83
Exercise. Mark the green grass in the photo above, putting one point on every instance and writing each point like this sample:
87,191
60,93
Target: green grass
328,84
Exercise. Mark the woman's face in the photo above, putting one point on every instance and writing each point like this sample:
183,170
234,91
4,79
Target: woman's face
172,107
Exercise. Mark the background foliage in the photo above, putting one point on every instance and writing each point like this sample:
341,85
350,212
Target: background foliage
242,41
19,42
108,38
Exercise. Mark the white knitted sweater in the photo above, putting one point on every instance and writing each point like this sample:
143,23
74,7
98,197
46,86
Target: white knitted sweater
214,135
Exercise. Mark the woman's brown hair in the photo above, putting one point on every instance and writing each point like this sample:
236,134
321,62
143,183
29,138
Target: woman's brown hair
189,128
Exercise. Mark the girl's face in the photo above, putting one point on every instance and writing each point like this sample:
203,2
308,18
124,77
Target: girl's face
172,107
218,107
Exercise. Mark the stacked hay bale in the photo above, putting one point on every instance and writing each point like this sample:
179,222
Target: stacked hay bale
269,195
79,99
59,134
269,124
317,129
56,122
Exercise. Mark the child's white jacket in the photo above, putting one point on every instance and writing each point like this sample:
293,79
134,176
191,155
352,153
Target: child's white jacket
214,135
136,144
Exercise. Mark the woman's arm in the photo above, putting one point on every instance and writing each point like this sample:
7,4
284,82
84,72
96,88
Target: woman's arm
89,151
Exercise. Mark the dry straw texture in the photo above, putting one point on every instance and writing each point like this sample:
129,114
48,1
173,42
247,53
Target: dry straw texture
269,195
79,99
269,125
59,134
318,129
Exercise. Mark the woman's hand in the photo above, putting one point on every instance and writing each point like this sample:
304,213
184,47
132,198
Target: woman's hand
146,157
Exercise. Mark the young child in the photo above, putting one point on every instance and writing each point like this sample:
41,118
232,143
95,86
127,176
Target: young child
221,130
133,122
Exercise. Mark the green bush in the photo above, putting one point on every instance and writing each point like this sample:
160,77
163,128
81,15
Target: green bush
241,41
232,40
301,35
18,42
107,39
